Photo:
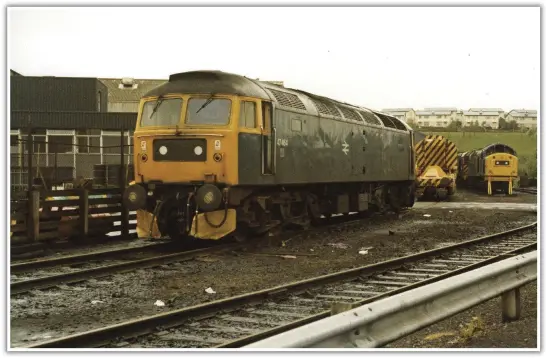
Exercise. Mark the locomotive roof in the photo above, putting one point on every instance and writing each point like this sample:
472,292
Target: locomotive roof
491,149
209,82
498,148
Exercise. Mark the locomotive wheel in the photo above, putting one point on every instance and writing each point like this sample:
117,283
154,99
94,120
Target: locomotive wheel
241,232
408,196
240,236
394,198
313,209
441,195
294,213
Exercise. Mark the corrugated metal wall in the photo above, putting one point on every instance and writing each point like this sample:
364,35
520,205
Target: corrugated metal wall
57,94
102,96
73,120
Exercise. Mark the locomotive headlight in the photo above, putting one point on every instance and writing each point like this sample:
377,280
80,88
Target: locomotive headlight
163,150
198,150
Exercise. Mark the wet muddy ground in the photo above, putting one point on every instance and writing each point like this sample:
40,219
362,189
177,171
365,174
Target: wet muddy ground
47,314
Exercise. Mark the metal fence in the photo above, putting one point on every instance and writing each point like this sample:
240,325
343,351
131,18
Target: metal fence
378,323
68,158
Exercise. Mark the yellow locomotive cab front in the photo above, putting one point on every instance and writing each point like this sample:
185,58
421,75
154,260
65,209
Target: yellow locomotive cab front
185,139
182,152
501,168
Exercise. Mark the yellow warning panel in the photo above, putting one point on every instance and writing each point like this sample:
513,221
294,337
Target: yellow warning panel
432,176
144,219
205,227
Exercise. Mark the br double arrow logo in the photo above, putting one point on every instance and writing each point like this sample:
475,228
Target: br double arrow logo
345,147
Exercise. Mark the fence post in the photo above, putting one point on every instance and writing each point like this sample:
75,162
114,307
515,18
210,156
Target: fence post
124,211
56,165
30,155
33,225
84,212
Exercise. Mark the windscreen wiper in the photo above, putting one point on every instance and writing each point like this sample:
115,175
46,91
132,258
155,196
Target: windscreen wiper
207,102
157,104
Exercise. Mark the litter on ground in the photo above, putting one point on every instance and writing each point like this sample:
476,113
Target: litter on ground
339,245
210,290
159,303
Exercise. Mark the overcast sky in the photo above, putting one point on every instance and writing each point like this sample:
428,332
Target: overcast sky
374,57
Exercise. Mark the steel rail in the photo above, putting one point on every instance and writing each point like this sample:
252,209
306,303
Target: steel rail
70,259
211,310
528,190
385,321
82,275
107,270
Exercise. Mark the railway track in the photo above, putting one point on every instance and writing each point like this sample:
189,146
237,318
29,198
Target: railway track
32,275
528,190
237,321
39,249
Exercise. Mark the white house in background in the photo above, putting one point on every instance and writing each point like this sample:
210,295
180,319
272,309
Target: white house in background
436,117
404,114
524,117
486,117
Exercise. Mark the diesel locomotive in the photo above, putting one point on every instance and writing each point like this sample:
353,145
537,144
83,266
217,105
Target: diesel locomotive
494,167
220,154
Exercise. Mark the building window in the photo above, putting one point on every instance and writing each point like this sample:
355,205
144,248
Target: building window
13,140
59,144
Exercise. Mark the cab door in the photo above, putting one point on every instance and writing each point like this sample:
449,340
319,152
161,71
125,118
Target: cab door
268,133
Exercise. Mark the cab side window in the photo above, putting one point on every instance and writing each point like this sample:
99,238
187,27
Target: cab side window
247,116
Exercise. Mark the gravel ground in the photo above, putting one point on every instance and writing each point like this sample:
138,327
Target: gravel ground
481,327
463,195
42,315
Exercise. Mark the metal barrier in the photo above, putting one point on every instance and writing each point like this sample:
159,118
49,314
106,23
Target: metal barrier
384,321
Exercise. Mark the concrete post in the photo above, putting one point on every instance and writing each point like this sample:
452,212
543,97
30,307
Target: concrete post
511,305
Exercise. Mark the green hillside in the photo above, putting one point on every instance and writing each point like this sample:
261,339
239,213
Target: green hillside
524,144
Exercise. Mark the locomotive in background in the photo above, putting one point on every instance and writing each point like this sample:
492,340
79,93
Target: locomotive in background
492,168
218,153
